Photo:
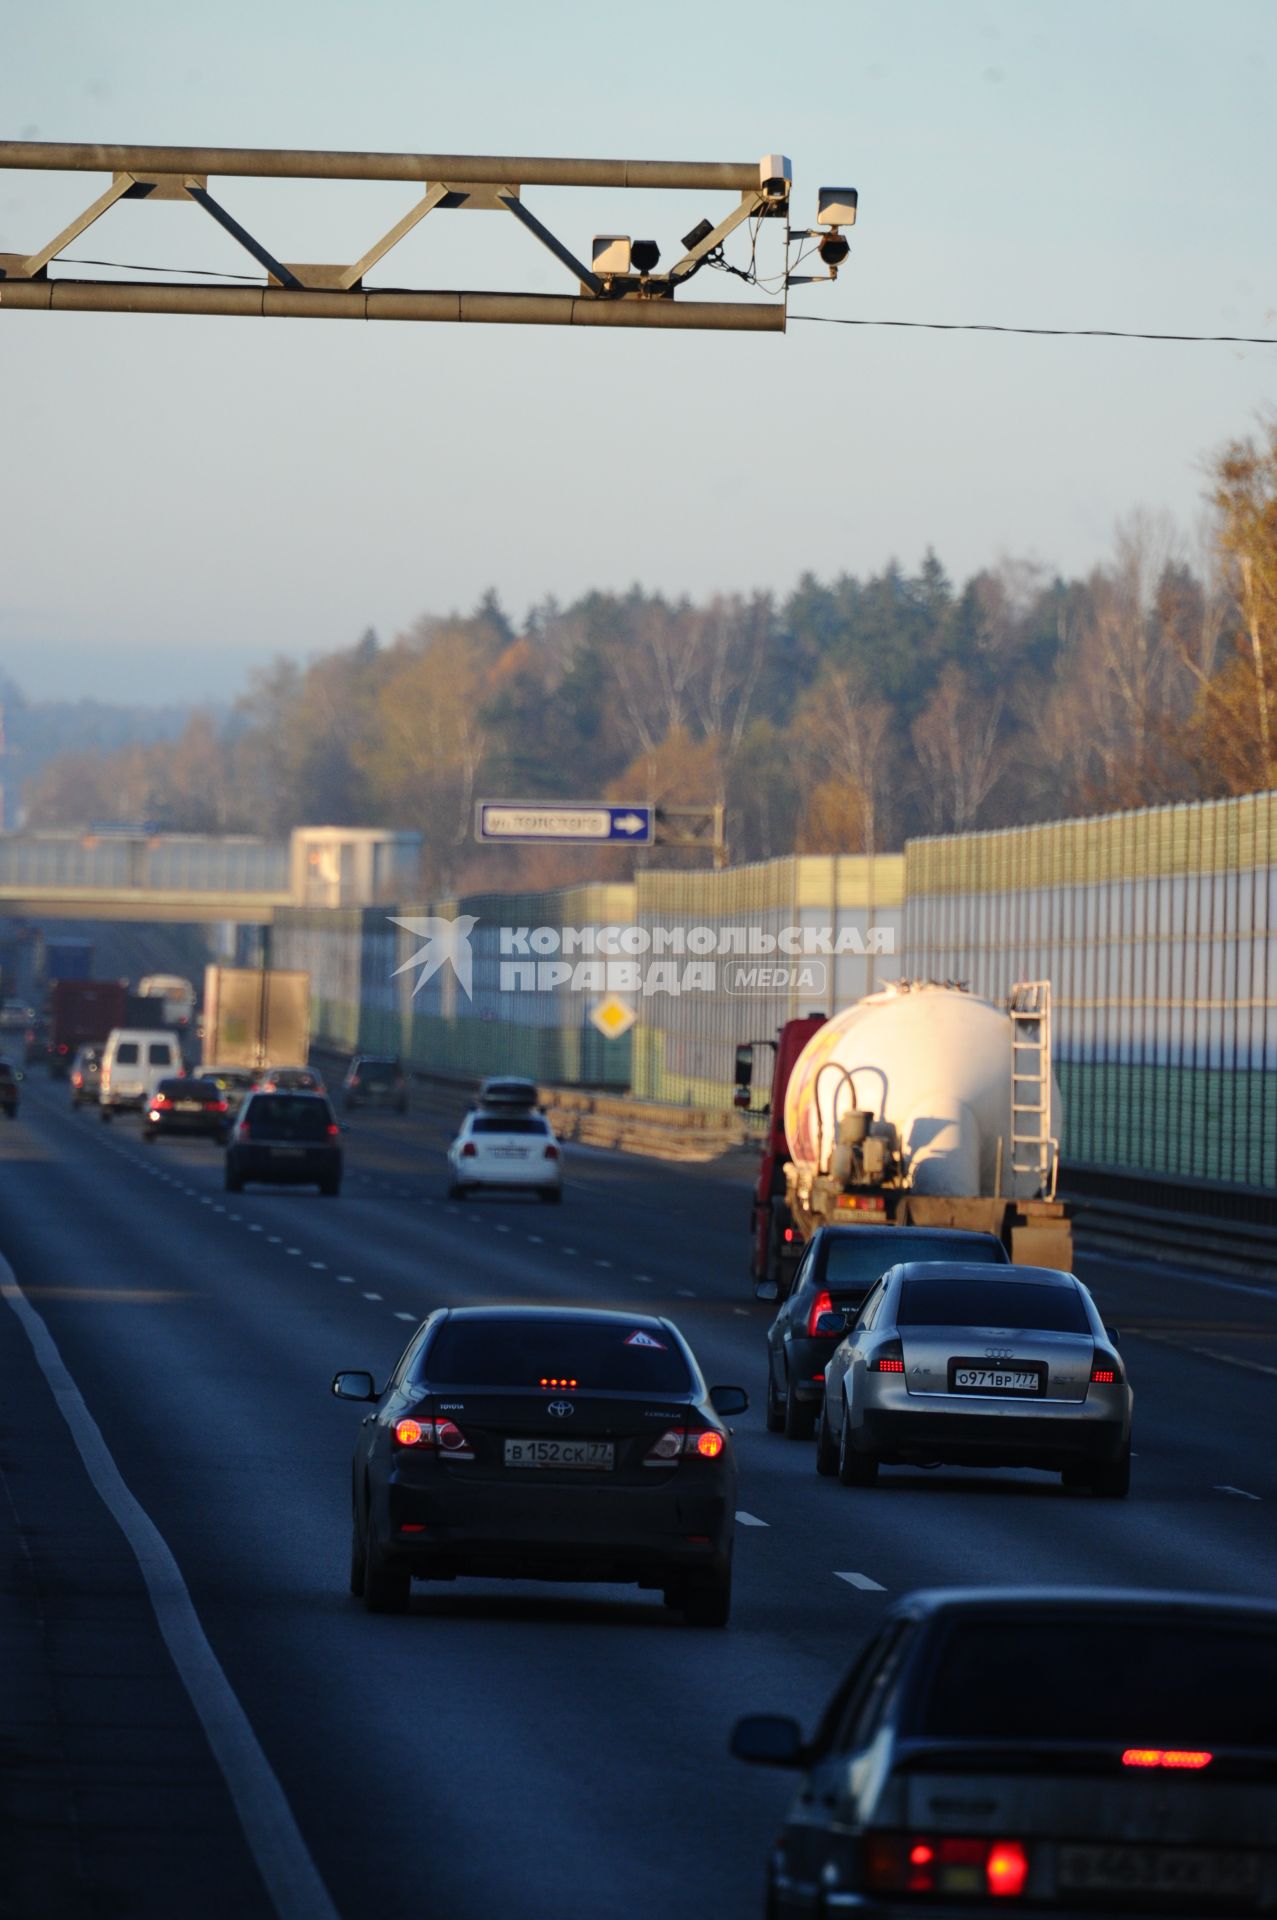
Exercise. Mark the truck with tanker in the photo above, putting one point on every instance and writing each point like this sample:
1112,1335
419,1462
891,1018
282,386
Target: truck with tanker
256,1017
922,1104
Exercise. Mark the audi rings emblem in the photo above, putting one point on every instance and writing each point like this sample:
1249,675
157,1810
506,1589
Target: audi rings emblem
561,1408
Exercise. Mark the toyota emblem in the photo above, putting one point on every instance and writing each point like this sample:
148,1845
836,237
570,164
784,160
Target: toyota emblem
561,1408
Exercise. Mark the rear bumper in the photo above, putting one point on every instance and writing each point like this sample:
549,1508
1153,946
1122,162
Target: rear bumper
1053,1439
212,1128
315,1165
805,1359
532,1173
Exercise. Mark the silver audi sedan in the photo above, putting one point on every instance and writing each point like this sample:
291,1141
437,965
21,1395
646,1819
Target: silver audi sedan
949,1362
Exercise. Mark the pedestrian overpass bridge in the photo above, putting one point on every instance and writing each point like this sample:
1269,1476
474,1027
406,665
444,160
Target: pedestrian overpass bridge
111,873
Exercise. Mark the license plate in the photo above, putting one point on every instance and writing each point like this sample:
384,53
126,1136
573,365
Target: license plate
287,1153
1190,1871
509,1153
187,1106
593,1456
969,1378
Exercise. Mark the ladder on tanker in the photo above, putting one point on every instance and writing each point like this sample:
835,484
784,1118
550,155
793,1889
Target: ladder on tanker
1035,1152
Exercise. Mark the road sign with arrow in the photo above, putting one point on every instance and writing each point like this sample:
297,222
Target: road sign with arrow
593,822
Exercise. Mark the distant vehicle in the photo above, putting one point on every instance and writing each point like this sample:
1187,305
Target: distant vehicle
82,1013
969,1366
1020,1749
505,1091
255,1014
506,1150
545,1443
291,1080
134,1062
233,1083
68,959
86,1076
10,1076
290,1139
375,1080
15,1016
838,1267
177,994
185,1106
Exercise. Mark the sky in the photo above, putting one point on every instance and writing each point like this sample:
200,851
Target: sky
181,498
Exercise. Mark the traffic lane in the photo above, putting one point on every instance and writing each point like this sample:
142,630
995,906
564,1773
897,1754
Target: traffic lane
249,1483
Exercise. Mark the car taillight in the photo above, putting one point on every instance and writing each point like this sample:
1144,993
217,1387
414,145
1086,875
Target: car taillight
888,1359
1178,1759
790,1235
552,1153
160,1100
216,1106
1106,1369
333,1129
469,1151
706,1442
441,1436
946,1864
356,1082
821,1304
242,1131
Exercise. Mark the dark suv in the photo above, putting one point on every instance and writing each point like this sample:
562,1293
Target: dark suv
9,1078
834,1275
375,1080
290,1139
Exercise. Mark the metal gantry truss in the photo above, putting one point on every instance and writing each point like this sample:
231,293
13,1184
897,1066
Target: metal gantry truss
333,292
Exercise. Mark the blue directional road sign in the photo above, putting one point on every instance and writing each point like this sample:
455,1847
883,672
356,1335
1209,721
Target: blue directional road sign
591,821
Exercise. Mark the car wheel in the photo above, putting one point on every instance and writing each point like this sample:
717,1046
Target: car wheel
401,1106
800,1416
386,1588
358,1558
232,1181
854,1469
104,1113
826,1449
551,1196
707,1600
775,1414
348,1105
1076,1479
149,1133
1113,1480
330,1188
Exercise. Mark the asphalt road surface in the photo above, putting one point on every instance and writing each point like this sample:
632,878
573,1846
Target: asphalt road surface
553,1753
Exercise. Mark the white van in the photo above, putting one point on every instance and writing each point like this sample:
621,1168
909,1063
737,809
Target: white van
134,1062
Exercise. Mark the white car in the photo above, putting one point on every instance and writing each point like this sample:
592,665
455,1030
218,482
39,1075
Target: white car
516,1150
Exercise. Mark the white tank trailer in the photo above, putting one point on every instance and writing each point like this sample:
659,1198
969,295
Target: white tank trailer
927,1104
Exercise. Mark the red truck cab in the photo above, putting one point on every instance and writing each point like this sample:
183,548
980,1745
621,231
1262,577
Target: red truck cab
775,1242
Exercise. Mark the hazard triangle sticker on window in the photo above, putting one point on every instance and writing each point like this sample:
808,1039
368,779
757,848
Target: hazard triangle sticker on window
641,1339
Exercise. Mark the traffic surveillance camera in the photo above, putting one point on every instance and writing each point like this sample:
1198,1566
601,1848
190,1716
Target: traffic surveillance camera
644,255
610,254
834,249
701,231
775,175
836,206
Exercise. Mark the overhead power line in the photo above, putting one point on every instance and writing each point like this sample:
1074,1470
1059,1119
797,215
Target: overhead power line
1055,333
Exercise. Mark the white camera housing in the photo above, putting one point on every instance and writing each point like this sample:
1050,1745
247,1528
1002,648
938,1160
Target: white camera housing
836,206
610,253
775,176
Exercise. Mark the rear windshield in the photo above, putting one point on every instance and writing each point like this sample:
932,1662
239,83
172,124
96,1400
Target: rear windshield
378,1070
615,1356
852,1264
186,1089
159,1054
300,1116
1028,1304
509,1123
126,1054
1142,1682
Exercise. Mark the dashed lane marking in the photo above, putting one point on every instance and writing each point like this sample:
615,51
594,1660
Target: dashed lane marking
749,1519
861,1580
685,1293
319,1266
501,1228
1240,1492
372,1296
569,1249
742,1311
292,1249
535,1240
274,1240
345,1279
405,1316
256,1229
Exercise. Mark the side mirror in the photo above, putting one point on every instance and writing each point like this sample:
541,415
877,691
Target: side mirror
740,1098
768,1740
728,1400
354,1386
1114,1336
767,1289
831,1323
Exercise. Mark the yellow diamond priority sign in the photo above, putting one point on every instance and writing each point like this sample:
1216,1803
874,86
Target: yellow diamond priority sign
613,1016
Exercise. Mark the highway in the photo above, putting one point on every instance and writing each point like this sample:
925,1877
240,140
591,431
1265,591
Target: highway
518,1750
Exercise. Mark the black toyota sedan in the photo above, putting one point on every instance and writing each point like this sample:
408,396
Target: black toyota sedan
1065,1751
545,1443
285,1139
185,1106
835,1273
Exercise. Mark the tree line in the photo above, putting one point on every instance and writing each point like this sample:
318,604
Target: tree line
845,717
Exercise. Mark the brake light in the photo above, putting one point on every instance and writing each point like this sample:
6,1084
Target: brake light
445,1436
243,1131
888,1359
1106,1369
948,1864
706,1442
333,1129
216,1106
556,1380
821,1304
160,1100
1179,1759
791,1234
469,1151
552,1153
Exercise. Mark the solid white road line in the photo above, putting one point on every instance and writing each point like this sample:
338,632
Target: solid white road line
862,1581
274,1839
1239,1491
749,1519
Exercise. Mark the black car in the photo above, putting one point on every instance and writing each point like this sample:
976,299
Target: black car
545,1443
289,1139
1047,1750
504,1092
9,1079
836,1272
375,1080
185,1106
